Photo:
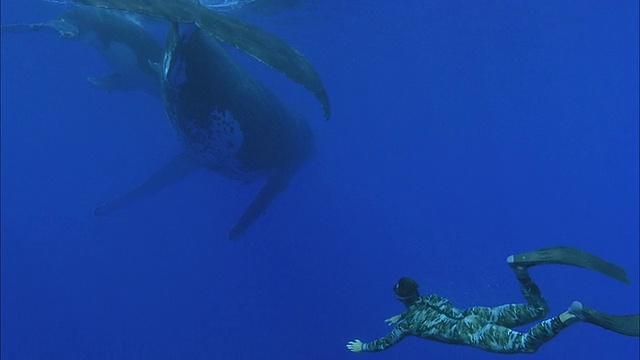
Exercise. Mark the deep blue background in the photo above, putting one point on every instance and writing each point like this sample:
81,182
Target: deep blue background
462,132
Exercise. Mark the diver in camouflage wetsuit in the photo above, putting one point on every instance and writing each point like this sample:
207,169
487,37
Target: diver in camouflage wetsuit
435,318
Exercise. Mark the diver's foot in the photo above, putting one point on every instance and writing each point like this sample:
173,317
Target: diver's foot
572,315
521,271
577,309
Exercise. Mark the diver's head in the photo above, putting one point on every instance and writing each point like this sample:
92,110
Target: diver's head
406,290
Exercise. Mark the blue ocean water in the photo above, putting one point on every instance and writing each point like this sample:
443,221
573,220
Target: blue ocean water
462,132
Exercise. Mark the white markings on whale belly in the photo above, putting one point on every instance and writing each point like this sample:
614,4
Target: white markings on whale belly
215,144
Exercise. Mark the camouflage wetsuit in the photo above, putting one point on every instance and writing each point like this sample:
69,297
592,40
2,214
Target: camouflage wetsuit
434,317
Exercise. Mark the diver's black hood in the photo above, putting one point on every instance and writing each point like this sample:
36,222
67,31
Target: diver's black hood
406,290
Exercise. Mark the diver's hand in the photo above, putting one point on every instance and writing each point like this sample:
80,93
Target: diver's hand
393,320
355,346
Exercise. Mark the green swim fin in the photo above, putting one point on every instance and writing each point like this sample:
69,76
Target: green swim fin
569,256
625,325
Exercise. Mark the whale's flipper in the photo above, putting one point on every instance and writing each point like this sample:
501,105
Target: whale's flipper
268,49
23,28
63,28
569,256
111,82
178,168
276,184
256,42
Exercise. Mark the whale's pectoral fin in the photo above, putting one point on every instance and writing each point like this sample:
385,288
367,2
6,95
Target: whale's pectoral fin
63,28
276,183
111,82
20,28
266,48
178,168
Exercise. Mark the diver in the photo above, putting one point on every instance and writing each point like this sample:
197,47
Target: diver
435,318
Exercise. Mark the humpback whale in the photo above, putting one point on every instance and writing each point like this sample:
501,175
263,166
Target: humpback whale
226,120
263,46
129,49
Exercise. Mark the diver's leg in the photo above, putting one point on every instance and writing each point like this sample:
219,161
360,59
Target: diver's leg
530,291
513,315
501,339
544,331
509,315
577,312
